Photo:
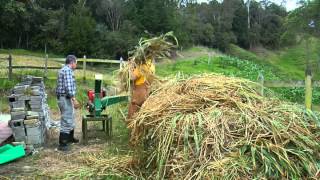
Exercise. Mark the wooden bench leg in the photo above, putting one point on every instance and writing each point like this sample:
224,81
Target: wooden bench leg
107,128
110,127
104,125
84,131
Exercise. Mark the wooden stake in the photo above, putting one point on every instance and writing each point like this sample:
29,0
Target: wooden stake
308,87
84,67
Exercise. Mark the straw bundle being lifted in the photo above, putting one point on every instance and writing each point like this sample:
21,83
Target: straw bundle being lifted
212,126
157,47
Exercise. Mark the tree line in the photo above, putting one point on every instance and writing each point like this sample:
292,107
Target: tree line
109,28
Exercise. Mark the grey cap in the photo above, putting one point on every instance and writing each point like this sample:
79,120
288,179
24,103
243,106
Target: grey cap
70,59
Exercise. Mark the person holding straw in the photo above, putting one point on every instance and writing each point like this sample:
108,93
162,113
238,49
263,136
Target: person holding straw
142,76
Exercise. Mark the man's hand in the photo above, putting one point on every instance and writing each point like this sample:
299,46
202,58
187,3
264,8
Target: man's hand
76,104
131,73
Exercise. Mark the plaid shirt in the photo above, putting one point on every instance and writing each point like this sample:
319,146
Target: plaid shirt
66,83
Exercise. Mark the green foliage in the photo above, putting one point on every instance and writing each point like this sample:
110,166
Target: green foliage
240,27
299,20
80,31
297,94
113,44
109,28
227,65
271,31
6,85
288,38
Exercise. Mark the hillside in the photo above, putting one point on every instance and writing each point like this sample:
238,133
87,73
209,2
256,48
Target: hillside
246,64
289,62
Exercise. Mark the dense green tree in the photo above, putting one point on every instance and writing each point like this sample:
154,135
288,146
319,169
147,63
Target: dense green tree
14,20
109,28
80,30
271,31
240,25
111,12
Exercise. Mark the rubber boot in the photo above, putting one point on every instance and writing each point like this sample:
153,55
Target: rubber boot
71,137
63,142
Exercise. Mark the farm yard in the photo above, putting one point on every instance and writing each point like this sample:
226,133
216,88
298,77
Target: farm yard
115,158
159,89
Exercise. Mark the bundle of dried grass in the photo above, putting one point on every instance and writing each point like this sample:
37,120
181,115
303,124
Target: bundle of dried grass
154,48
213,126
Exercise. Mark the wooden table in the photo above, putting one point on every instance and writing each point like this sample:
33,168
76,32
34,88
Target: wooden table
106,125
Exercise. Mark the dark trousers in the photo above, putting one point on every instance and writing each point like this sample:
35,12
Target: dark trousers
139,94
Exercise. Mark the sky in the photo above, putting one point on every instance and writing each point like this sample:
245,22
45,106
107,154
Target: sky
291,4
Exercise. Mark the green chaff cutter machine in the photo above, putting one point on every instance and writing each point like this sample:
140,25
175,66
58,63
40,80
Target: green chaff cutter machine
98,101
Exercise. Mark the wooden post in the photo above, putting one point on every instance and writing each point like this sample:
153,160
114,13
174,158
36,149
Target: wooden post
121,61
84,67
10,67
46,67
261,82
308,86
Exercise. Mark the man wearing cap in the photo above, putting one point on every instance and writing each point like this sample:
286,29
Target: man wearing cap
66,92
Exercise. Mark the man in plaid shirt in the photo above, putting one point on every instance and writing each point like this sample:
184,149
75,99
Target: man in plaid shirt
66,91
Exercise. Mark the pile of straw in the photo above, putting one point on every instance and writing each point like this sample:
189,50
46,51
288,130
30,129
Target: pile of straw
212,126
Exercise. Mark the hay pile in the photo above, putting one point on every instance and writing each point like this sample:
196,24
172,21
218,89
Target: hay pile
213,126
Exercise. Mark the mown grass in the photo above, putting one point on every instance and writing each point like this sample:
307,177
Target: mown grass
28,53
236,51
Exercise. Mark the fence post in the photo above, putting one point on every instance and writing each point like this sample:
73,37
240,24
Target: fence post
84,67
308,87
209,58
46,67
121,62
10,67
261,82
